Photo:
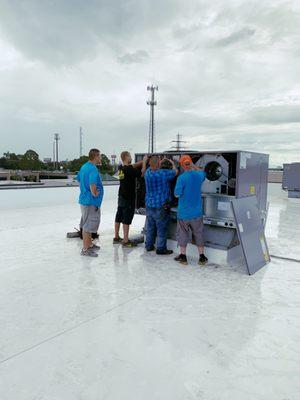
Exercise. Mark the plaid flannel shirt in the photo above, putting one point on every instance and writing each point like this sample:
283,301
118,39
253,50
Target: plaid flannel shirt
158,187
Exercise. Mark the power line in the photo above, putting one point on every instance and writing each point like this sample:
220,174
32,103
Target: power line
178,143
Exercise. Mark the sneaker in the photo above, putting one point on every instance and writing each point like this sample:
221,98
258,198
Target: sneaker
128,244
164,252
117,240
94,247
152,248
88,253
181,258
202,259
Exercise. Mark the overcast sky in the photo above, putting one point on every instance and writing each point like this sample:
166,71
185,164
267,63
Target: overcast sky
228,74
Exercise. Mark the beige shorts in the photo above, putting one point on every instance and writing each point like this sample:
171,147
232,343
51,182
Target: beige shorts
189,231
90,218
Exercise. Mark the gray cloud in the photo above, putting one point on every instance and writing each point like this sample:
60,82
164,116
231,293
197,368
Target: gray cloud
235,37
275,114
66,64
138,56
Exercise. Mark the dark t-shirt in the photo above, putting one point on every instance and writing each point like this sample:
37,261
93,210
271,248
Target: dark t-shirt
127,175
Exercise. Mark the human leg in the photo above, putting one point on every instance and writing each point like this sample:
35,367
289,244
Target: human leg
90,224
197,229
118,220
183,235
162,218
150,228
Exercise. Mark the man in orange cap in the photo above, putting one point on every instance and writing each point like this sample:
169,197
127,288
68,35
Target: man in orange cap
189,212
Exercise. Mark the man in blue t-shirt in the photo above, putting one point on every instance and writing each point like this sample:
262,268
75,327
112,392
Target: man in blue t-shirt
190,209
90,200
158,194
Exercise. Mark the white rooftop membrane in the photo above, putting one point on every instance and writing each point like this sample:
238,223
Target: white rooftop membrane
131,325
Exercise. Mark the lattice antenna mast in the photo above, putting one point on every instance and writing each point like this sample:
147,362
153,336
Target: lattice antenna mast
178,143
152,103
80,142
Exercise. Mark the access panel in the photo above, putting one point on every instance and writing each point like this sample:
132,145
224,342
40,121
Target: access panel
251,233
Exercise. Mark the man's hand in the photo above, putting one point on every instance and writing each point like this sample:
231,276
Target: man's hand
173,166
94,190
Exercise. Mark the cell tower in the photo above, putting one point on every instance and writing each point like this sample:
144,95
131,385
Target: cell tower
178,143
151,103
56,139
80,142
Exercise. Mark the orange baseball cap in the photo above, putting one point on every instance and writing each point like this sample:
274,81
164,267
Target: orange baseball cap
185,159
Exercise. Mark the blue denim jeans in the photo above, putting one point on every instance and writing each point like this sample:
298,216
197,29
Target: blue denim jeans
157,226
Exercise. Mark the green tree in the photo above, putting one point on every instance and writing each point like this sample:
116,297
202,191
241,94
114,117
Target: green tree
77,163
105,165
30,161
10,160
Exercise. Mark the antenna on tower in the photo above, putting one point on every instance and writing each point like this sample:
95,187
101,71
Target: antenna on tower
151,103
178,143
80,142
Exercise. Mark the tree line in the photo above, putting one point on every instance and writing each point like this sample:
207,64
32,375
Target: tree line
30,161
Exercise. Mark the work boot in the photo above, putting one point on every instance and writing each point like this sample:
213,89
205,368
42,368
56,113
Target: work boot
117,240
152,248
128,244
181,258
202,259
164,252
88,253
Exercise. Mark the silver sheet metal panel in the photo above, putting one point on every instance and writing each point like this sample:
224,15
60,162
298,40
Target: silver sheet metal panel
251,233
291,177
252,176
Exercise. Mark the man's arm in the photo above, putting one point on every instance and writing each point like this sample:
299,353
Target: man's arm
138,164
144,164
178,191
196,168
173,166
93,182
94,190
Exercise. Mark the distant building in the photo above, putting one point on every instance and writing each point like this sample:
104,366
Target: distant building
47,160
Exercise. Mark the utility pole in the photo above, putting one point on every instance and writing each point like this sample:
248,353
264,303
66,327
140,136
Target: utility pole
151,103
178,143
80,142
56,139
53,160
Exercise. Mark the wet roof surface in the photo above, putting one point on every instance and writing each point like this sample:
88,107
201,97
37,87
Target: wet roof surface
131,325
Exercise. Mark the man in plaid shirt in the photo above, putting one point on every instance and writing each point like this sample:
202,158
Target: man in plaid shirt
157,195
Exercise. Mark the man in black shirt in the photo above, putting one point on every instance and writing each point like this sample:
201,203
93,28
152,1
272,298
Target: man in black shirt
126,199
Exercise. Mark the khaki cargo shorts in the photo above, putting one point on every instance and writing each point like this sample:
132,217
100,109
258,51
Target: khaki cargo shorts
90,218
189,231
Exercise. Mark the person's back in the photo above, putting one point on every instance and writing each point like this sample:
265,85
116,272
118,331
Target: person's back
158,186
188,190
126,198
189,212
158,214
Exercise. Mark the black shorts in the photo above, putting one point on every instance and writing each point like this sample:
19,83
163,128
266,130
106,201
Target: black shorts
125,211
